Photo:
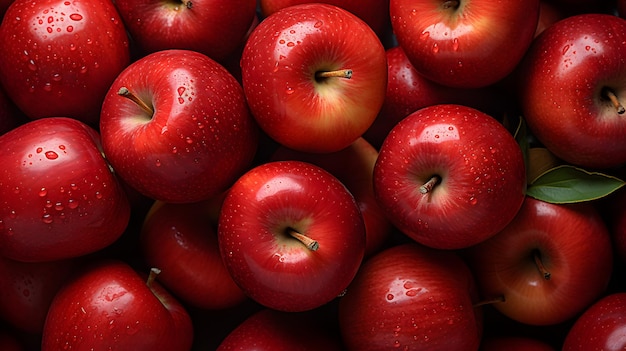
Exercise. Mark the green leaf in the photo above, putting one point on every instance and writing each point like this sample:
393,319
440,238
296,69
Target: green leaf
569,184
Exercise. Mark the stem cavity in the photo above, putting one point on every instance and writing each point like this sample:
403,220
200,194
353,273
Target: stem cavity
610,94
132,97
542,269
310,243
429,185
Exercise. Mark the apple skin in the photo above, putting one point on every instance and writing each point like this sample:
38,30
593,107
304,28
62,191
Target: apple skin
600,327
270,330
514,343
273,268
481,172
579,125
354,167
63,55
212,27
181,240
411,297
111,307
62,199
200,129
474,44
279,66
572,242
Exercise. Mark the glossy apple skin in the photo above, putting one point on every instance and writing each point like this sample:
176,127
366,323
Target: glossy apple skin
600,327
212,27
181,240
28,290
561,95
270,330
354,167
273,268
409,297
61,198
474,45
279,64
514,343
201,128
63,55
110,306
575,247
480,167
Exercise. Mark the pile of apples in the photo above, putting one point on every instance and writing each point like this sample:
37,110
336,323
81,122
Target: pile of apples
296,175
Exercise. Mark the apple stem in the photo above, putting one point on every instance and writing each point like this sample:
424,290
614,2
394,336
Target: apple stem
152,276
342,73
450,4
132,97
429,185
311,244
187,3
542,269
497,299
613,97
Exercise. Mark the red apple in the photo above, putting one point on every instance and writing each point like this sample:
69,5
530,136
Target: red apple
212,27
514,343
409,297
470,43
59,57
112,307
60,196
181,240
28,290
450,176
270,330
354,167
291,235
601,327
314,76
549,264
573,82
173,120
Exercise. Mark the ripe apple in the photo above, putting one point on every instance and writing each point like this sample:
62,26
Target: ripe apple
450,176
270,330
60,196
291,235
181,240
572,88
600,327
59,57
173,120
473,43
212,27
410,297
549,264
514,343
354,167
314,76
111,306
28,290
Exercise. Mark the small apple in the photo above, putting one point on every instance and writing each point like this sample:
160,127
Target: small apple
573,87
110,306
549,264
469,43
291,235
59,57
60,197
314,76
176,127
410,297
450,176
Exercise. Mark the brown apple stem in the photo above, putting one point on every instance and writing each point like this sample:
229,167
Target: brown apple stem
152,276
497,299
310,244
613,97
187,3
429,185
132,97
342,73
542,269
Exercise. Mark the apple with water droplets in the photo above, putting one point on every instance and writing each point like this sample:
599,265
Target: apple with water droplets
60,197
449,176
176,127
59,57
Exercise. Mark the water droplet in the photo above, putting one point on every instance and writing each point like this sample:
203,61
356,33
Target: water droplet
43,192
76,17
98,195
473,200
181,91
72,204
49,29
157,163
290,44
455,44
61,147
58,206
390,297
565,49
281,41
435,48
188,140
425,35
51,155
56,77
32,66
289,91
318,24
181,100
47,218
70,29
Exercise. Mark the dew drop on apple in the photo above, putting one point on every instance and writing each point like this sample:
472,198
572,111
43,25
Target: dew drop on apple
76,17
43,192
390,297
318,24
72,204
51,155
47,218
32,65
